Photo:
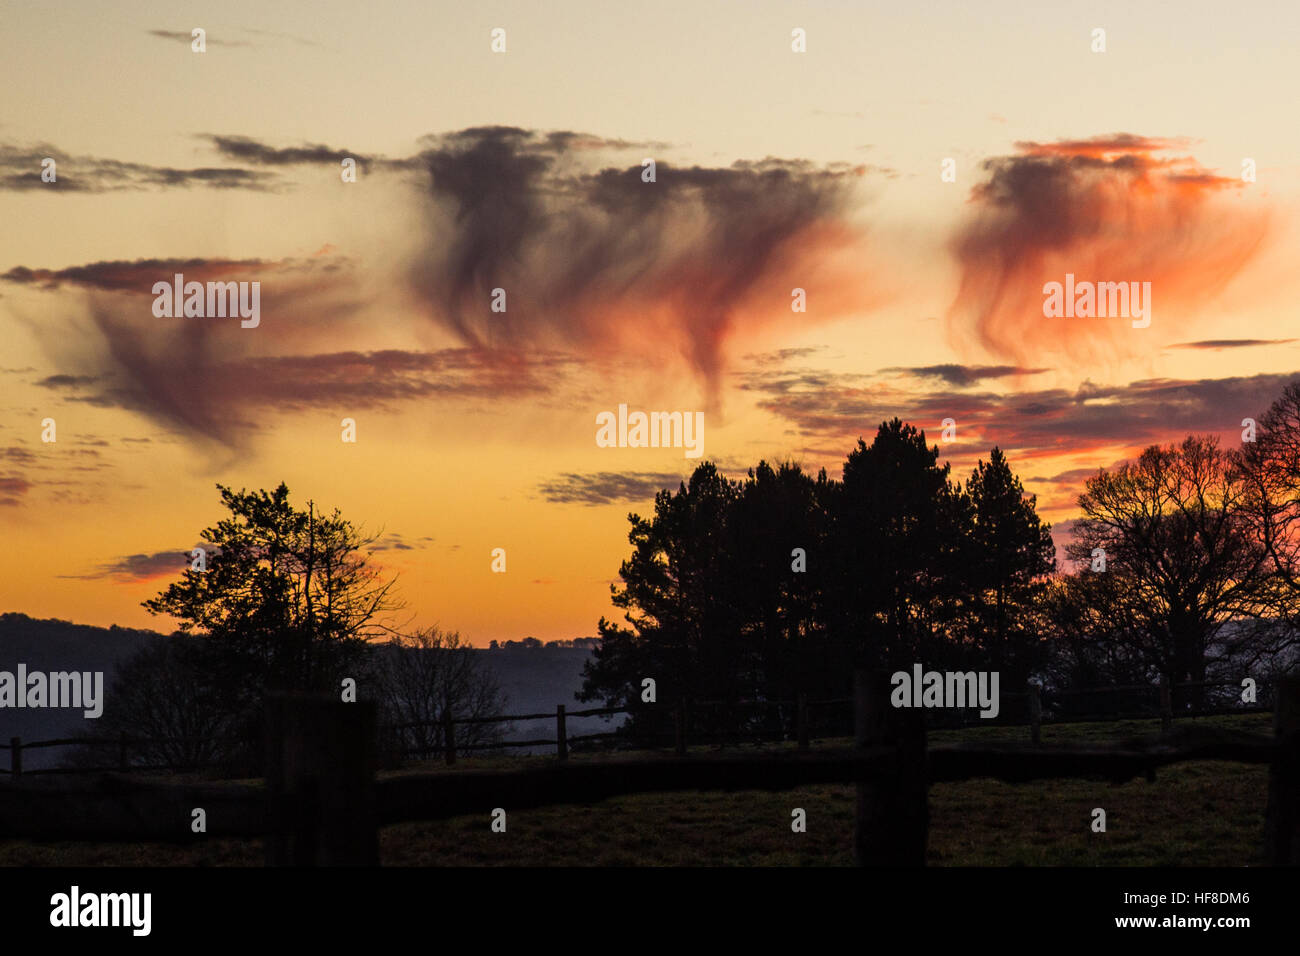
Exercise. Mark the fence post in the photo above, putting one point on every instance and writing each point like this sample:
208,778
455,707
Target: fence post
679,728
1035,712
15,757
1166,705
893,814
561,734
121,752
448,737
1282,819
320,779
801,720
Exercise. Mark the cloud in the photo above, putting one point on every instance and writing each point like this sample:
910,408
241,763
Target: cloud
142,567
188,38
12,490
65,381
597,259
200,393
20,170
1216,344
835,409
137,276
260,154
964,375
1113,208
394,541
211,379
607,487
596,264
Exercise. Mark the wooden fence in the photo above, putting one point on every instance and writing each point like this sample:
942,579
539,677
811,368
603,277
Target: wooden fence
322,803
802,729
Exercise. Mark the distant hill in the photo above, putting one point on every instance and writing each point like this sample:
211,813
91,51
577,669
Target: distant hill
54,645
534,678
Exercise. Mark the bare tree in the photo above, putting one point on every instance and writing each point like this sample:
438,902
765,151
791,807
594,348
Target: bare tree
165,701
1181,559
1271,469
431,673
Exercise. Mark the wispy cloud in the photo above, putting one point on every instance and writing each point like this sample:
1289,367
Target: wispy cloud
965,375
1217,344
607,487
1114,208
187,37
142,567
20,170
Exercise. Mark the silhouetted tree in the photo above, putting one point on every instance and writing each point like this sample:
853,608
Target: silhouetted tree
896,542
1181,561
287,602
1270,469
431,673
164,699
779,585
1008,555
288,598
682,604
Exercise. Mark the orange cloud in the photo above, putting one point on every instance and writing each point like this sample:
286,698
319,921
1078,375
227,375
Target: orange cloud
1109,209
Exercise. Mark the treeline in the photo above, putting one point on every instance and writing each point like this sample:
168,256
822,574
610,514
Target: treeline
1182,561
532,644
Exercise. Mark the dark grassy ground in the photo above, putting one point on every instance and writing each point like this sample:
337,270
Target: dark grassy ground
1205,813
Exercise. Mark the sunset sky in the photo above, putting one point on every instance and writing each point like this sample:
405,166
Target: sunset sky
522,170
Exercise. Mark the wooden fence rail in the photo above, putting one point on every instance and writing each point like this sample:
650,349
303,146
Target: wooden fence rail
449,748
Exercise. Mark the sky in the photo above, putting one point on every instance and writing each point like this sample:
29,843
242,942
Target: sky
1167,158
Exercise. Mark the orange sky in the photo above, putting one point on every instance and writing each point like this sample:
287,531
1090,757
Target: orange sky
775,170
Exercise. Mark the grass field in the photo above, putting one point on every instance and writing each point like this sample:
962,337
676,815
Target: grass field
1206,813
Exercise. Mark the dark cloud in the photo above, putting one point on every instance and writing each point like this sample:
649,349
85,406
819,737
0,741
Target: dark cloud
65,381
782,356
143,567
260,154
136,275
220,399
963,375
595,262
1215,344
837,409
394,541
20,169
12,490
187,38
607,487
596,257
